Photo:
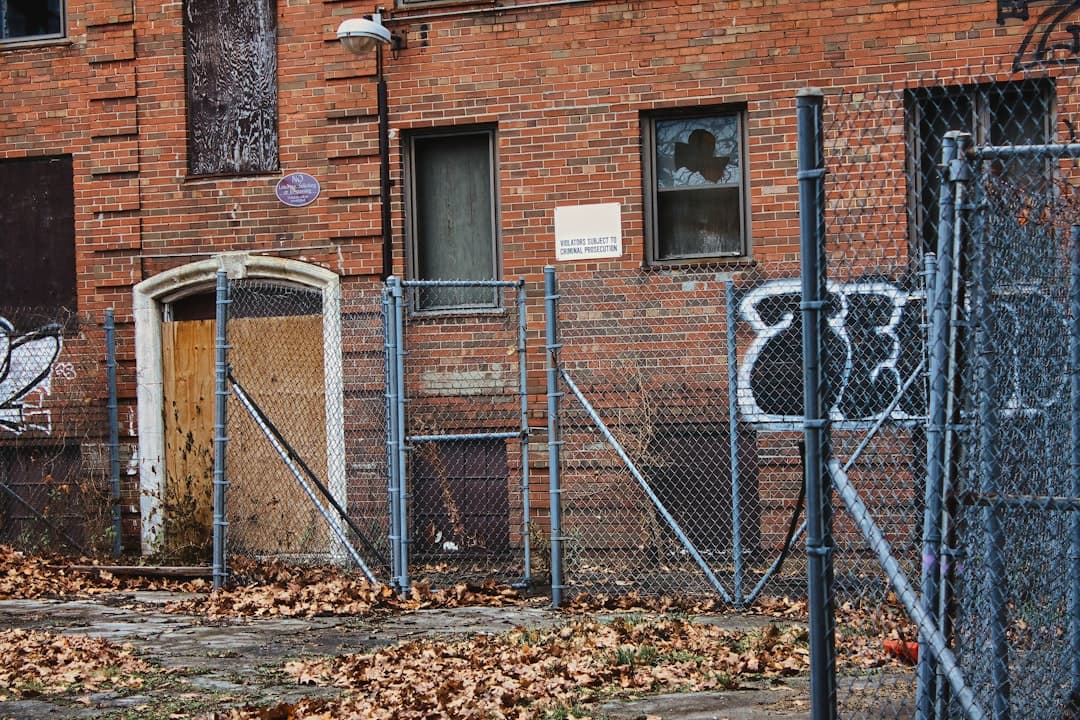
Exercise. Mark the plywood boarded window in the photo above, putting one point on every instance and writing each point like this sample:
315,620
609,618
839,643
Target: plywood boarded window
37,239
231,61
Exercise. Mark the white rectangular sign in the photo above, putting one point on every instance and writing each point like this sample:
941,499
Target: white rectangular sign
587,232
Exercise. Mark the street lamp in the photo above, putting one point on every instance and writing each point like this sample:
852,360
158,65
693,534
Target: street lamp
360,36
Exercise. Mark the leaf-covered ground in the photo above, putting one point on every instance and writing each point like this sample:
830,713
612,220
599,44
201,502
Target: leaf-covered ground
527,673
605,646
37,662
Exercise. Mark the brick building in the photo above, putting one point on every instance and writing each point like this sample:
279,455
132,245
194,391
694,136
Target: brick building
141,146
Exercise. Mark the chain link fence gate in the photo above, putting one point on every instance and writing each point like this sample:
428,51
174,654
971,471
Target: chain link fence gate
458,435
959,482
299,487
680,461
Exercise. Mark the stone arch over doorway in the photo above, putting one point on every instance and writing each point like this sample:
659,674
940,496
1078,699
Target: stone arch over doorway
151,299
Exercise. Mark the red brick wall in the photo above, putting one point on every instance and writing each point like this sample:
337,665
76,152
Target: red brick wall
565,86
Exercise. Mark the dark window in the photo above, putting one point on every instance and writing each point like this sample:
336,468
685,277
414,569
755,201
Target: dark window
49,484
31,19
452,202
231,61
695,171
37,240
1013,113
461,498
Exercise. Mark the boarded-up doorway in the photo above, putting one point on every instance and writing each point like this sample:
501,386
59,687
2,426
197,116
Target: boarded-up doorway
187,351
275,335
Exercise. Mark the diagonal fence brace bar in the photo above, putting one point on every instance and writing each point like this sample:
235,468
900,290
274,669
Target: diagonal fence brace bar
292,460
928,629
689,546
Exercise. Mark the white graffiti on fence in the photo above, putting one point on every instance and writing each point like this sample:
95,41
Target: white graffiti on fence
868,320
26,363
876,326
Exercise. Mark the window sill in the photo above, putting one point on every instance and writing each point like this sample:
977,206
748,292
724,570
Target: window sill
724,261
34,43
457,313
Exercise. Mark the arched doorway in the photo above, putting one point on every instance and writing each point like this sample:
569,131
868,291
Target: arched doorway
170,341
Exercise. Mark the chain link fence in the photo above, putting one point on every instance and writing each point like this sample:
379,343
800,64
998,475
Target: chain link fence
304,485
953,457
57,481
680,465
461,399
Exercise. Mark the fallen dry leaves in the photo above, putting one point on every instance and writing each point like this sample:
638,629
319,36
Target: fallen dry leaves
514,675
29,577
274,589
35,662
521,673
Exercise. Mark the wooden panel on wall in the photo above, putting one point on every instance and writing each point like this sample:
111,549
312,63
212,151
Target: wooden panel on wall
279,362
187,351
231,68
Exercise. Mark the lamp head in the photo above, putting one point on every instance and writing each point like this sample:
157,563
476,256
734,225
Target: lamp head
361,36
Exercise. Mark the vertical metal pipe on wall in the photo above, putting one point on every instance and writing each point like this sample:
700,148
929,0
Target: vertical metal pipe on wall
523,391
987,465
733,437
221,395
114,429
1074,437
392,439
811,176
938,342
551,335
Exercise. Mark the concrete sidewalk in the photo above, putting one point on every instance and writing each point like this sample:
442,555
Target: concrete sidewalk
219,664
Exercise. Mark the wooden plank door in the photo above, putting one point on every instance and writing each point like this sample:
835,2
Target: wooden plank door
187,350
279,362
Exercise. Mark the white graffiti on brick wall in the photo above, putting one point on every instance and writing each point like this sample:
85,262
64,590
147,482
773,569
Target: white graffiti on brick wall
26,367
1029,330
875,344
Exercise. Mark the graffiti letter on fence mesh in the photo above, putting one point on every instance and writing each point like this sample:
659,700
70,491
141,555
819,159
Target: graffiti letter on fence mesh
872,339
874,344
26,363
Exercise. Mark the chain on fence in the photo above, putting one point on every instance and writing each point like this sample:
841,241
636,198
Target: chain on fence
304,485
57,489
953,457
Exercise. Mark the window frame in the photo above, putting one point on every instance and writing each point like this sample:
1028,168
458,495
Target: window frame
649,121
22,40
981,123
412,214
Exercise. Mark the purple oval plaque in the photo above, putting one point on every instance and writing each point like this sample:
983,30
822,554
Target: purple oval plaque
297,189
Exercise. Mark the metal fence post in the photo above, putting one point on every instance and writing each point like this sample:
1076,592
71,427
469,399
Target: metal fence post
733,438
221,394
1074,426
987,466
811,176
397,302
551,334
523,389
936,419
114,429
392,439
